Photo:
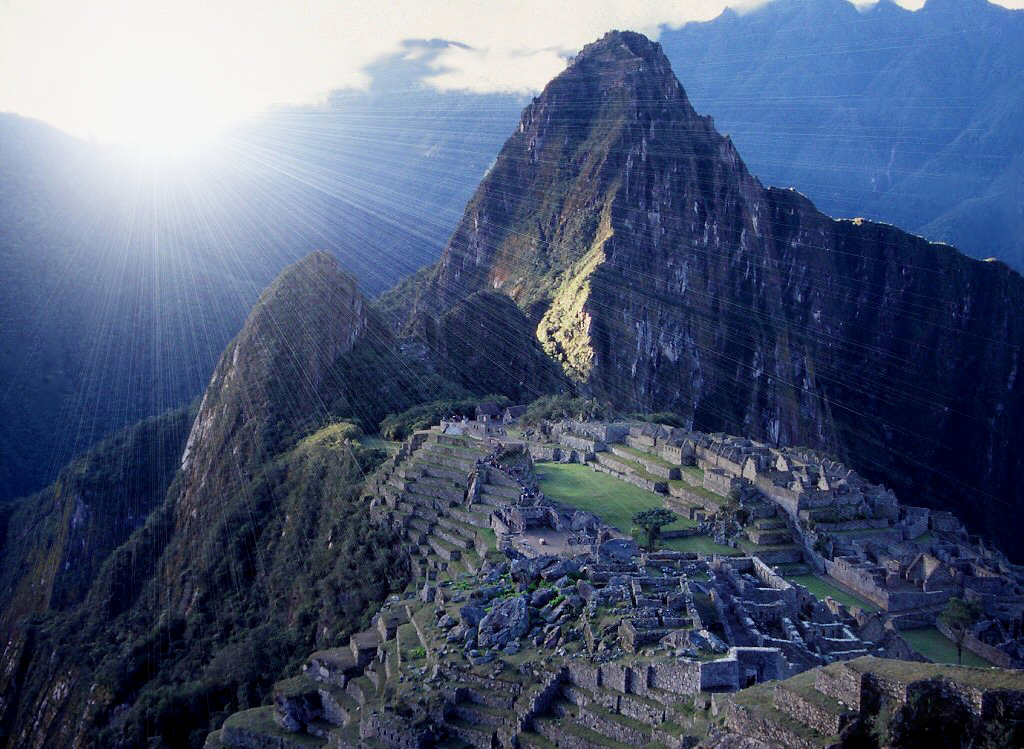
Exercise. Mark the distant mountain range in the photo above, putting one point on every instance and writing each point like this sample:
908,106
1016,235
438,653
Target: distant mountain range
912,118
119,288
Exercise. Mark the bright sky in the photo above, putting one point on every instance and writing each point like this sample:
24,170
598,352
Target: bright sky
166,71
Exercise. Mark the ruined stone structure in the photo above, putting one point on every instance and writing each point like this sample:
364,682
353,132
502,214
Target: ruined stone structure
802,511
533,622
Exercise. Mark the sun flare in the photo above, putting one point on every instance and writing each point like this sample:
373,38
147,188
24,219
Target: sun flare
163,93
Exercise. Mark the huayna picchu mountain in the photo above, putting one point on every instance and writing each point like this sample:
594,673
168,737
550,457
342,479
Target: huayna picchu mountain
664,277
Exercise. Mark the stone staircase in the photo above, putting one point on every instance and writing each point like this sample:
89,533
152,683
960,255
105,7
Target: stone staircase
769,536
581,717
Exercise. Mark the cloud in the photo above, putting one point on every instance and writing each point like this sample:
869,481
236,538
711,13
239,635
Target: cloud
87,65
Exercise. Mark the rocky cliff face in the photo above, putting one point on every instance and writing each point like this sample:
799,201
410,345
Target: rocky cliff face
270,382
663,276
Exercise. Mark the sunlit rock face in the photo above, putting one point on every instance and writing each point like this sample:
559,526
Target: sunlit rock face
663,276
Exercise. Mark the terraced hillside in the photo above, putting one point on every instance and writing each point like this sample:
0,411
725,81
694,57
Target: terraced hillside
593,644
863,701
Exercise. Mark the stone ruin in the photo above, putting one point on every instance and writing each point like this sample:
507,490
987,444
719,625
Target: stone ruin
585,639
804,512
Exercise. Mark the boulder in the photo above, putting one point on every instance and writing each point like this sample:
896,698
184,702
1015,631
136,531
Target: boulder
541,597
446,622
617,551
528,569
559,569
472,615
508,620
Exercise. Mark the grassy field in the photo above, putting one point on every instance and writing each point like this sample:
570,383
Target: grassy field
820,588
935,646
611,499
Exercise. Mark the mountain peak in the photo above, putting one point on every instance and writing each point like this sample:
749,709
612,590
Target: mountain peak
623,58
619,42
602,133
274,378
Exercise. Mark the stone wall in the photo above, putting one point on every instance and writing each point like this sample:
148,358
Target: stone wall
993,655
719,483
857,581
808,712
679,678
746,723
840,683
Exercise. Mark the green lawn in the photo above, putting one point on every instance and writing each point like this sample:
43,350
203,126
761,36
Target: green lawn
613,500
936,647
821,588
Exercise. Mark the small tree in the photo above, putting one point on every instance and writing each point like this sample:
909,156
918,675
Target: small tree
959,616
652,521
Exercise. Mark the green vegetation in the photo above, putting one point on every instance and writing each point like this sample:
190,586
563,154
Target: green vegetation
401,425
904,671
53,543
553,407
613,500
820,588
653,521
292,562
959,616
936,647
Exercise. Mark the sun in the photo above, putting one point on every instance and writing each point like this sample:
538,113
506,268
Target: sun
162,110
159,103
155,81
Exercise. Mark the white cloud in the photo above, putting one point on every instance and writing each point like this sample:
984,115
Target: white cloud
99,67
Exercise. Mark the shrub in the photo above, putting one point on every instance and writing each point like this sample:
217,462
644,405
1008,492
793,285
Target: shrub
556,407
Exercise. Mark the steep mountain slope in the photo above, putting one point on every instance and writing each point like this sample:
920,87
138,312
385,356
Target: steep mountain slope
261,550
53,543
663,276
906,117
120,287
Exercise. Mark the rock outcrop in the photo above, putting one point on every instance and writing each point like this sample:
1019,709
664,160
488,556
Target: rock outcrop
661,275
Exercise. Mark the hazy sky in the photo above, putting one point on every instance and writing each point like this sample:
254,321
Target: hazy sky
115,69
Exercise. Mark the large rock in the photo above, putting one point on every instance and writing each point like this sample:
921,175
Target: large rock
472,615
528,569
617,551
507,621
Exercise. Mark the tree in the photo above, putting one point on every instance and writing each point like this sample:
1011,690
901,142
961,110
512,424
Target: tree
959,616
652,521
